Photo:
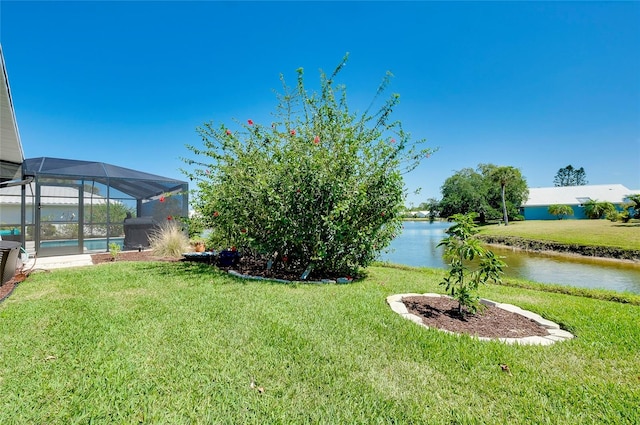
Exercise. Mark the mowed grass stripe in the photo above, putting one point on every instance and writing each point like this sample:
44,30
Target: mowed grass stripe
580,232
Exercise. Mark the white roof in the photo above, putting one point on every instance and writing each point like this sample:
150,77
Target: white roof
51,195
576,195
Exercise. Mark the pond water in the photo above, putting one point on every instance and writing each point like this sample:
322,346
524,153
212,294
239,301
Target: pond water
417,246
94,244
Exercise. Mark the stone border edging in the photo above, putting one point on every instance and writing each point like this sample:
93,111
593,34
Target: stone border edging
555,333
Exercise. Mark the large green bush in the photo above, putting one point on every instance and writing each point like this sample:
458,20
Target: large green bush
320,186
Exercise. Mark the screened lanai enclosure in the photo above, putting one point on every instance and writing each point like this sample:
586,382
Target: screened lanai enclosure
73,207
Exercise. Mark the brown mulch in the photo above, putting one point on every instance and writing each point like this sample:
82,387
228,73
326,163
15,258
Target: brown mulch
9,286
437,312
6,289
489,322
257,266
252,266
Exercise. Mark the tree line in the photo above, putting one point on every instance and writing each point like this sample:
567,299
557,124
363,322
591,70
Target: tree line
497,193
492,192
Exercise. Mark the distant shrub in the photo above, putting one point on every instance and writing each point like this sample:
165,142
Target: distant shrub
632,207
615,215
68,231
560,211
169,240
596,210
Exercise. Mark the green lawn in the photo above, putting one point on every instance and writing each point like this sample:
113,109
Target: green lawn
581,232
179,343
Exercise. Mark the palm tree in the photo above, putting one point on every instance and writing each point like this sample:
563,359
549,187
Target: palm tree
504,176
633,207
595,210
560,210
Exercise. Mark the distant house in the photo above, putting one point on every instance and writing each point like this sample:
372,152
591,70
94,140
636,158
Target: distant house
536,207
55,201
418,214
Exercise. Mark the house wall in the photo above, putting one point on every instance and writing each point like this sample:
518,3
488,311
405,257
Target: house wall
542,213
10,215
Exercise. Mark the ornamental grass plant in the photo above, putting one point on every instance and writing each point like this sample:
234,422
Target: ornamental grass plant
169,240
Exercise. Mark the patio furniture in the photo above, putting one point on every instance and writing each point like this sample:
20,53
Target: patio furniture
137,231
9,252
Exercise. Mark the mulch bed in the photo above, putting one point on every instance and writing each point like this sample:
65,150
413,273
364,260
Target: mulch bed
248,265
257,266
10,285
490,322
437,312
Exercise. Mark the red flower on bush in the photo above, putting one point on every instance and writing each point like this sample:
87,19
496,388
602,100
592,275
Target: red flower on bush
293,132
316,139
216,213
393,141
169,218
250,122
228,132
285,258
243,231
162,199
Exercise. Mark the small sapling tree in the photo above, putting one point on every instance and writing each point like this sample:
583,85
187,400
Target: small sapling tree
114,249
461,248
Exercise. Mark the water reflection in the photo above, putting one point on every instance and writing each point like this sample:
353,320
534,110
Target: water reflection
417,246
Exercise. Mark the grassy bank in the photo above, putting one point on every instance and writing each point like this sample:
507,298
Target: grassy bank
179,343
581,232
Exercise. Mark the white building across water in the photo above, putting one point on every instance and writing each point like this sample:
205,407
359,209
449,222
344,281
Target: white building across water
536,207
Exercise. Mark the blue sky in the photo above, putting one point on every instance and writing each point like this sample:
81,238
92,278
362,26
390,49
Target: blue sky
534,85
